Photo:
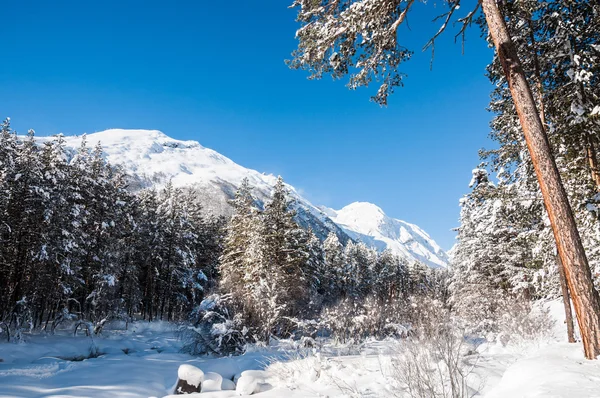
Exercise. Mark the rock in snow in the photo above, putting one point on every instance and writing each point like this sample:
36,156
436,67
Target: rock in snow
154,158
189,379
227,385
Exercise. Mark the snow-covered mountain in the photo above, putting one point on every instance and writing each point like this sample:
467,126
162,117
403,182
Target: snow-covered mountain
153,159
368,223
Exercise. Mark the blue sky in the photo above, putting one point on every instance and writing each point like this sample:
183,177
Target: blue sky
214,72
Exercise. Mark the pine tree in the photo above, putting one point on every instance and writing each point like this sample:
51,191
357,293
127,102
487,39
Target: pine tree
285,251
239,235
358,273
333,284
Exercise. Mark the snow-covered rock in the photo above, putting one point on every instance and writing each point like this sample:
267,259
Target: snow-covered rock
246,385
189,379
368,223
212,382
227,385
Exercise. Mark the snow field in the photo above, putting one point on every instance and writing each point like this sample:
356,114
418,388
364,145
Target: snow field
145,361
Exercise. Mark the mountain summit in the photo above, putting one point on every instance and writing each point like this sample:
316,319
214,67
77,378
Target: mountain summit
368,223
153,159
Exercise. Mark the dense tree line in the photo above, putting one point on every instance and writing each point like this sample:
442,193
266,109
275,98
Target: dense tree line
278,275
75,243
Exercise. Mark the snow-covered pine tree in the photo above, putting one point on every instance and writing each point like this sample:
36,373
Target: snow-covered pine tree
24,211
359,266
146,247
390,275
239,235
285,252
315,269
333,284
8,148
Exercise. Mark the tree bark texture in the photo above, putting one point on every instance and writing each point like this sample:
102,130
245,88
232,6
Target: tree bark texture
566,301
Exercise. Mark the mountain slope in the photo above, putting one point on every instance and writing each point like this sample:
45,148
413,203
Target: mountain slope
368,223
153,159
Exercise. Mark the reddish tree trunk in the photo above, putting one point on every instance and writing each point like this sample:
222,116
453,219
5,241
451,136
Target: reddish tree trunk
585,298
566,300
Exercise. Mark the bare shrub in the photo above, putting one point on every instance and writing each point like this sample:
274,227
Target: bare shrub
521,322
433,367
430,363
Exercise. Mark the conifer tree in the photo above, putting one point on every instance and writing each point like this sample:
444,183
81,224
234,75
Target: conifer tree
334,268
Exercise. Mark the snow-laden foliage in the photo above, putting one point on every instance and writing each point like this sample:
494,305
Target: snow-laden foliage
353,321
279,275
214,330
356,38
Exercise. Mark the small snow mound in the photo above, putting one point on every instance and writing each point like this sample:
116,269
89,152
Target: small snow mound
246,385
212,382
257,374
191,374
227,385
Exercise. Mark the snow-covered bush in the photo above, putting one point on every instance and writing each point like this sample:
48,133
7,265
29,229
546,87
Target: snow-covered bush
297,366
427,317
521,321
505,317
355,320
214,330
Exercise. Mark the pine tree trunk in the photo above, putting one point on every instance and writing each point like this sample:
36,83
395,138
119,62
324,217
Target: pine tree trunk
585,298
566,300
561,270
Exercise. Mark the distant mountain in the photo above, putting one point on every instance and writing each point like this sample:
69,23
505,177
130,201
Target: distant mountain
153,159
368,223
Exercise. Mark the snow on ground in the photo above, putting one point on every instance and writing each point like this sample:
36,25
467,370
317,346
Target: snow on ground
551,369
144,361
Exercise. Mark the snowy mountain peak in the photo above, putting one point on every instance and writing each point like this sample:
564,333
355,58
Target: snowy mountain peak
362,216
368,223
364,208
156,158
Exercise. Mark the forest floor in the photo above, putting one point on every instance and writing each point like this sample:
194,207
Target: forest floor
143,362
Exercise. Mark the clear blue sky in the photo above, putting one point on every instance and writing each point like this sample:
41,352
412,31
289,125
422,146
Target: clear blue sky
214,71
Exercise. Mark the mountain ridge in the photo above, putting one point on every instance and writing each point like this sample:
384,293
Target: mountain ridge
153,159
